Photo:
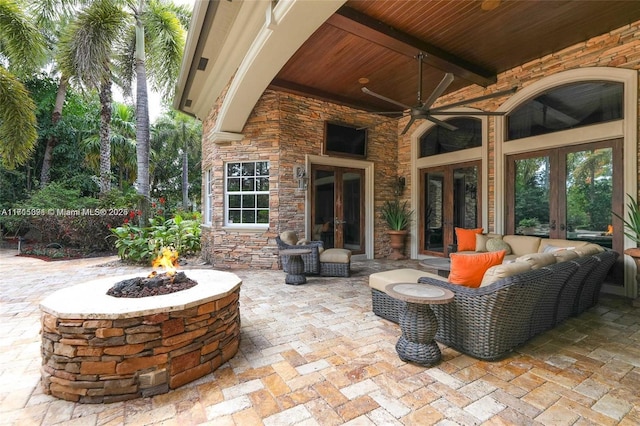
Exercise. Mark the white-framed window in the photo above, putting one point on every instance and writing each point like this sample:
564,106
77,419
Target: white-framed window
247,194
208,198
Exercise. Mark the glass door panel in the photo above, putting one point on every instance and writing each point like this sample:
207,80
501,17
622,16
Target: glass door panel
323,187
589,196
352,190
569,193
532,196
433,239
465,195
450,199
338,207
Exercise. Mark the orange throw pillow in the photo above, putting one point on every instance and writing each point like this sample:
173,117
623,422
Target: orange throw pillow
467,238
468,269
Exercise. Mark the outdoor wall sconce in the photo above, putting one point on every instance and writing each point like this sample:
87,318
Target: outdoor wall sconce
398,186
300,173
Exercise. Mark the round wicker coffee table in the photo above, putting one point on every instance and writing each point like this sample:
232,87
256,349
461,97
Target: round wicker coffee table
417,321
295,276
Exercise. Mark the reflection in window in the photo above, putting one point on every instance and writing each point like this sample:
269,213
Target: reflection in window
247,193
440,140
567,107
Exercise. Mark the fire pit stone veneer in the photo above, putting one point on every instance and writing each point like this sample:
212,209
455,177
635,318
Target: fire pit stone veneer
99,349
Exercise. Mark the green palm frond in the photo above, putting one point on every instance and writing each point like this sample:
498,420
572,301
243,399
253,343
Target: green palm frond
18,133
87,45
165,38
397,215
632,225
22,44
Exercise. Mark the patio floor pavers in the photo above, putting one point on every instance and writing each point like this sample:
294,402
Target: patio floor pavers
315,354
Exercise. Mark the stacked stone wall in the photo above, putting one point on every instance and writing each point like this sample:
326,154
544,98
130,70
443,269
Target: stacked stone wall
282,129
110,360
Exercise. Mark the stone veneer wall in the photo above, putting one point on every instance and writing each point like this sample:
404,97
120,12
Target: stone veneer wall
284,127
103,361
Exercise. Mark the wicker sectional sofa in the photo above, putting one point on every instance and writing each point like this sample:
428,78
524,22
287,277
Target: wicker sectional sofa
490,321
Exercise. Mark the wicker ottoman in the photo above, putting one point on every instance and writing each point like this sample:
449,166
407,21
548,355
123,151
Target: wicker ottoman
384,305
335,263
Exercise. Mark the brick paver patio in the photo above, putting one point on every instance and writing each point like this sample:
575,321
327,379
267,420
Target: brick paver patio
316,355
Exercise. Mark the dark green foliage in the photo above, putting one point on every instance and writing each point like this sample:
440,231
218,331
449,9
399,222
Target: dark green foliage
397,215
143,244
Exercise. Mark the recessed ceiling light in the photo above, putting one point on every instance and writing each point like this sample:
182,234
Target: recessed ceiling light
363,80
490,4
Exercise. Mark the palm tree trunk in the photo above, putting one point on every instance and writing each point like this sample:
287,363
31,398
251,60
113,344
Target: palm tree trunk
185,180
105,137
185,170
52,140
142,110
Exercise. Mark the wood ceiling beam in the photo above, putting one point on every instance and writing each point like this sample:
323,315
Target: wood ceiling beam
363,26
307,91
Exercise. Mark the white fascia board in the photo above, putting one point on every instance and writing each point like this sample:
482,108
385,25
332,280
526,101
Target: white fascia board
197,20
233,31
281,35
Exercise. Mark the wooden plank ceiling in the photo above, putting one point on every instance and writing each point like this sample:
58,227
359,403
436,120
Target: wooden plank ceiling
378,40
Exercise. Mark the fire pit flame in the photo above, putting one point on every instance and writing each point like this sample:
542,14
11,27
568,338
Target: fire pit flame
168,259
155,283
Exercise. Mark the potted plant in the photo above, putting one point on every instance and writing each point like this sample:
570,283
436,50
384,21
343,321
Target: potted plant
632,231
397,215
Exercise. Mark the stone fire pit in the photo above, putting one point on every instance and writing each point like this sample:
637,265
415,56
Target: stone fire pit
98,348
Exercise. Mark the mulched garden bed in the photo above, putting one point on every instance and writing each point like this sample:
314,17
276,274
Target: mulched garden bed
52,252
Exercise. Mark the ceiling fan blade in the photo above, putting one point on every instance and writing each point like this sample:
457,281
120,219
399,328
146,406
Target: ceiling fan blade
479,98
439,90
408,125
441,123
384,98
471,113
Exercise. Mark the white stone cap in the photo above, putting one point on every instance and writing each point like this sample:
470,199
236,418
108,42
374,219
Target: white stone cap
89,300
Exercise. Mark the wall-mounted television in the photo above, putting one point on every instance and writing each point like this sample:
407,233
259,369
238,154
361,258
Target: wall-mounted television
345,140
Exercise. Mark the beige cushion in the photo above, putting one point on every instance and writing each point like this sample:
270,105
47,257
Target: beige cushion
538,260
481,241
335,255
497,244
556,242
589,249
498,272
522,244
379,280
289,237
565,255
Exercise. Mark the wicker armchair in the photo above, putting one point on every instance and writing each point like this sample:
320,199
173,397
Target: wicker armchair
311,260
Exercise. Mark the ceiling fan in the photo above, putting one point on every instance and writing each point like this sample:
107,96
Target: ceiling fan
422,109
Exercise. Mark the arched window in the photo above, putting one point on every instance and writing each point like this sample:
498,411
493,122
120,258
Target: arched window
567,107
439,140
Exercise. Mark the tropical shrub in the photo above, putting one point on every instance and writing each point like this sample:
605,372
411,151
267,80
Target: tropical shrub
143,244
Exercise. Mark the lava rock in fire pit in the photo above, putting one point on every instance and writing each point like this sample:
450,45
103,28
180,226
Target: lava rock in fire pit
151,286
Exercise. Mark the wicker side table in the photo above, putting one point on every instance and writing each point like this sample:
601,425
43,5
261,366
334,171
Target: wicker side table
295,276
418,322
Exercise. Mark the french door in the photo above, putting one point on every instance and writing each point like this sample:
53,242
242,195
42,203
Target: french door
338,207
450,198
568,193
